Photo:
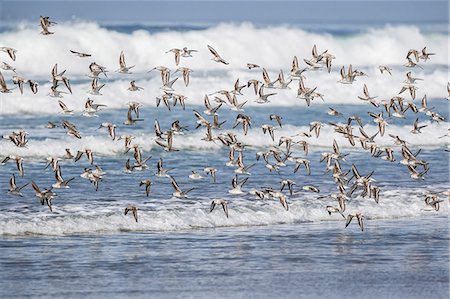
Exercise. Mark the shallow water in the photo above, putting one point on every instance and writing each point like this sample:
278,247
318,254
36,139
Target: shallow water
398,258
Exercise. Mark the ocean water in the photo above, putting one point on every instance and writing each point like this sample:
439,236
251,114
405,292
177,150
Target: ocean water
86,246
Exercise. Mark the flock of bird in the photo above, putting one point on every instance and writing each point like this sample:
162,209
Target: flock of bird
350,183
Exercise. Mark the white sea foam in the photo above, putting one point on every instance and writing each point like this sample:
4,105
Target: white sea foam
102,145
270,47
174,216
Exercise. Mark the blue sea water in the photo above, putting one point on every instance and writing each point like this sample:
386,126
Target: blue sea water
87,247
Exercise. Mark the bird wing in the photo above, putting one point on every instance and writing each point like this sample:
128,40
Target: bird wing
214,52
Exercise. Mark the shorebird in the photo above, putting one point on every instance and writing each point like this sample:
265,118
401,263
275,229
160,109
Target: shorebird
56,77
19,81
128,168
19,163
178,193
375,193
89,155
3,87
123,69
53,162
195,175
45,196
315,126
275,194
130,120
367,98
60,182
244,120
165,99
71,130
33,86
389,154
263,98
187,52
384,68
277,118
68,155
51,125
95,69
185,71
267,83
410,79
159,134
235,105
252,66
64,108
7,67
237,88
217,57
416,175
127,141
362,180
432,200
169,146
95,179
134,106
134,87
133,210
140,163
212,171
178,129
255,84
359,217
378,118
177,53
416,127
268,129
299,162
18,138
312,65
325,58
241,168
311,188
90,108
332,210
80,54
179,98
147,183
54,93
282,83
209,109
209,136
425,55
221,202
45,23
237,186
349,77
411,64
13,189
333,112
167,83
296,72
161,171
95,88
111,129
290,185
164,72
10,51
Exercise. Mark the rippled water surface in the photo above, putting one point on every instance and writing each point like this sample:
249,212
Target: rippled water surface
393,259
